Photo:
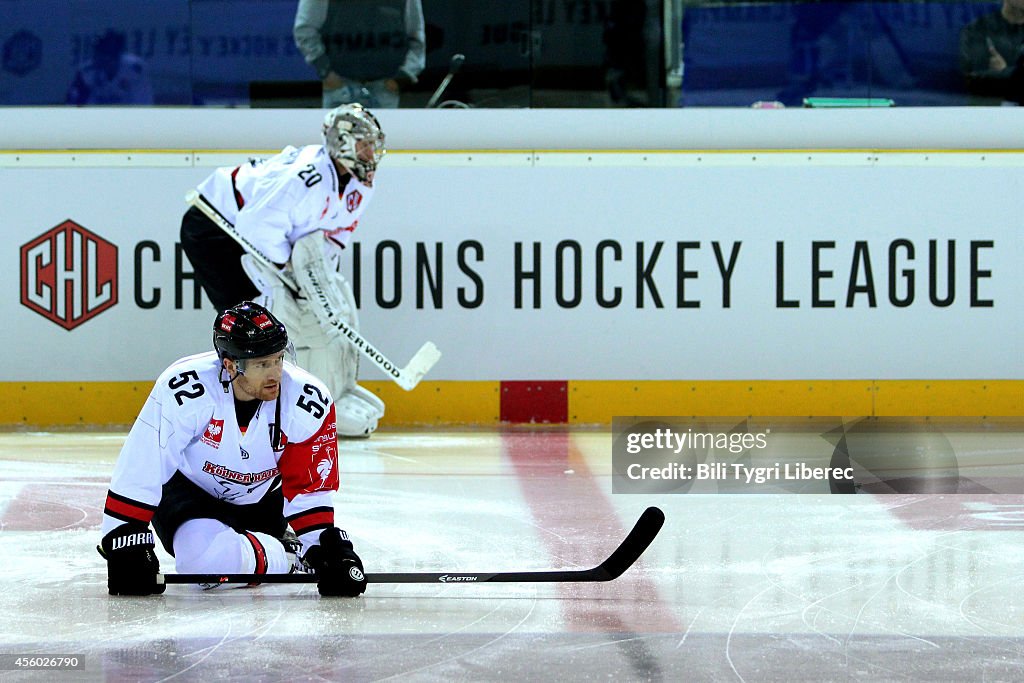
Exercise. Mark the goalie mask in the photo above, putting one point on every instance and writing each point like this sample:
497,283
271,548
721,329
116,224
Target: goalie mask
353,137
246,331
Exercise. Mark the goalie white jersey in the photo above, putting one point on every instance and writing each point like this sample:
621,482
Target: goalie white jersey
188,424
275,202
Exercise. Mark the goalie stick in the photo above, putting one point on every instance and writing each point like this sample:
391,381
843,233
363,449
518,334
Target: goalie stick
621,559
407,377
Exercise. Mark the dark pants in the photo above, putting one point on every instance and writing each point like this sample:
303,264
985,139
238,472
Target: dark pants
215,258
182,500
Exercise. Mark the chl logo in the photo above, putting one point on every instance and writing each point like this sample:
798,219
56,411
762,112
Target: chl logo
68,275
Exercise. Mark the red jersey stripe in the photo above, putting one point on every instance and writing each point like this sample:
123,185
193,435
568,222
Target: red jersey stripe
123,508
308,522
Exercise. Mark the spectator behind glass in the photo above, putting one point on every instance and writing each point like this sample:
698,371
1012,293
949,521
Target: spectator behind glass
625,53
112,76
364,51
991,53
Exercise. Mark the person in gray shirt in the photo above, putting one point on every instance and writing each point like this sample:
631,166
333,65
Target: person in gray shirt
363,51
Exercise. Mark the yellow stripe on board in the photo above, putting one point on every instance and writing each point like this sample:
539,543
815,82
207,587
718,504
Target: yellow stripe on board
600,401
72,404
994,398
596,402
107,404
439,402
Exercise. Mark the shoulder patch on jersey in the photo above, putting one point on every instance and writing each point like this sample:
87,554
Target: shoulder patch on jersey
352,200
326,465
214,432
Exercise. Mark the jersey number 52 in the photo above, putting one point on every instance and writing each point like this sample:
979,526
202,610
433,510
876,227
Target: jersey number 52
181,380
314,408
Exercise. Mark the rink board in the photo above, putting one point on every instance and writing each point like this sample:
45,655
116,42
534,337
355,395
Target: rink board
728,282
57,404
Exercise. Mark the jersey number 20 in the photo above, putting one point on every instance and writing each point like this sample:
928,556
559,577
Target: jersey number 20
310,176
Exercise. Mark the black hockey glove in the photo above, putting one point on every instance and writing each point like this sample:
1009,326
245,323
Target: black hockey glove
132,565
339,570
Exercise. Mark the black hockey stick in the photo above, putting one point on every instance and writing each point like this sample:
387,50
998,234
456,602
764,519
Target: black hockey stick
628,552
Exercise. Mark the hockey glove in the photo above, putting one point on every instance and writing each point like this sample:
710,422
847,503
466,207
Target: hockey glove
339,570
132,564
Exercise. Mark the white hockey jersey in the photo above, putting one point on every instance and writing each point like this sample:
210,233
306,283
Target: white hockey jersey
188,424
274,202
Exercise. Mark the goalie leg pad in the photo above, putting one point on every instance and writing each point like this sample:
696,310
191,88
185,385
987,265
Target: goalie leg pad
357,416
357,409
369,397
329,301
331,361
334,361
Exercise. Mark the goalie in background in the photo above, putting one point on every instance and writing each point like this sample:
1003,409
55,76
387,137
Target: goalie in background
299,208
231,447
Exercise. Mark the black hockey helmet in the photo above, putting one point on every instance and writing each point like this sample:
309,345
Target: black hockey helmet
248,330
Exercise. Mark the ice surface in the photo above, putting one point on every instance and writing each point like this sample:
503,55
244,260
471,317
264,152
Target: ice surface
736,587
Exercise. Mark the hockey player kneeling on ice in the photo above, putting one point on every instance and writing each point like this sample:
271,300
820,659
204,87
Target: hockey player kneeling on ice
231,448
298,209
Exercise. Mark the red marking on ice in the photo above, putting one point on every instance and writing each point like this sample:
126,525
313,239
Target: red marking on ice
582,528
55,507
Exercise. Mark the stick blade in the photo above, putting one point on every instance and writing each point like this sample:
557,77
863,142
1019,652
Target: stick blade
419,365
636,542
